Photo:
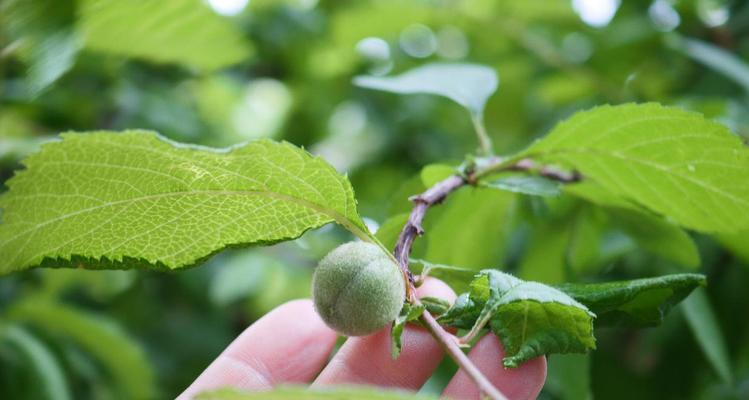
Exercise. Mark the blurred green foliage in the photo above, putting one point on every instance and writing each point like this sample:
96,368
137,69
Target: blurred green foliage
221,72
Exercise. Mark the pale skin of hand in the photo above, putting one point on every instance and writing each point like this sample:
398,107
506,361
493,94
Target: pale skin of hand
291,345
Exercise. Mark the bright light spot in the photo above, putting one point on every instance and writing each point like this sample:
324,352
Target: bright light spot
228,7
348,120
350,141
374,49
377,53
418,41
262,110
306,4
596,13
713,12
452,43
371,224
663,15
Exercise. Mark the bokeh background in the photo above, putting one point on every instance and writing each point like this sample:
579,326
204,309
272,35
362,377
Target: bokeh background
220,72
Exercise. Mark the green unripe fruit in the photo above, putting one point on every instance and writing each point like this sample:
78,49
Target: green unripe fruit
358,289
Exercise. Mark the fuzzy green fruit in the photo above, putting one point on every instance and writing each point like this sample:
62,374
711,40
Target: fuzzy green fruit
358,289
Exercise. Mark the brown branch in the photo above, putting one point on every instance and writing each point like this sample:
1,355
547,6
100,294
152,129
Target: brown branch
413,228
527,164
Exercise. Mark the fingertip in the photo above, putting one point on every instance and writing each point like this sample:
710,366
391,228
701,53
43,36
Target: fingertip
433,287
523,382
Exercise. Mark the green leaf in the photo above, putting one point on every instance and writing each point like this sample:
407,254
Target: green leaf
530,185
176,31
435,305
704,324
736,243
463,314
101,285
469,307
469,85
123,359
714,57
133,199
331,393
408,313
545,258
49,375
639,302
433,173
597,194
480,216
586,231
456,277
533,319
492,284
651,232
389,231
673,162
242,275
48,43
658,236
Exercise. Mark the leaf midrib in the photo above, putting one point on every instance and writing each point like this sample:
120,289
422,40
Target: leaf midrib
339,218
620,156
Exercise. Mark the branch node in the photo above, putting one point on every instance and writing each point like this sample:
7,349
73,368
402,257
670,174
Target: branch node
412,229
418,229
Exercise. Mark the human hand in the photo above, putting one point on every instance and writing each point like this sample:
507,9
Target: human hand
292,345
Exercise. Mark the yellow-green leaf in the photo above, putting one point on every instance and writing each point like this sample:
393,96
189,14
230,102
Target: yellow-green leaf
134,199
175,31
674,162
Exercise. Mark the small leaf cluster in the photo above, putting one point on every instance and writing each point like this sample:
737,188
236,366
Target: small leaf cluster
534,319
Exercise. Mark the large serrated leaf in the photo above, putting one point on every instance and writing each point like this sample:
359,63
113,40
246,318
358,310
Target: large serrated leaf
639,302
531,319
674,162
175,31
119,200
